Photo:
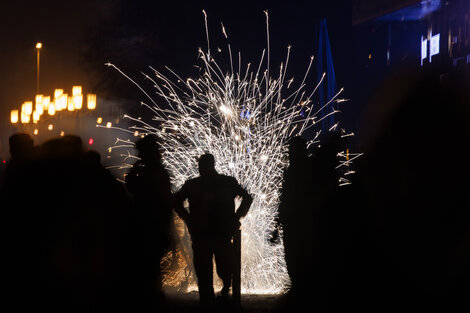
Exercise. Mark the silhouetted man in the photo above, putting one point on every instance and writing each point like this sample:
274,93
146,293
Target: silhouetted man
296,216
212,221
149,183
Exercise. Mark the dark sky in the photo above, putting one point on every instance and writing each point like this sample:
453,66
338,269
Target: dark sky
80,36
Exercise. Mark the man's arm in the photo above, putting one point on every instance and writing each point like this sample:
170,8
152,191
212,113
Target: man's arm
247,199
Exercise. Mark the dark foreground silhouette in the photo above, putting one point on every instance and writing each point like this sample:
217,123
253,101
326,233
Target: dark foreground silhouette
63,221
149,184
212,222
396,239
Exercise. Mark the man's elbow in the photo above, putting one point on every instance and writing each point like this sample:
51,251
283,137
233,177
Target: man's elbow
249,200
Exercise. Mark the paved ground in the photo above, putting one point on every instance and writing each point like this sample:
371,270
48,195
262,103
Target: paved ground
249,304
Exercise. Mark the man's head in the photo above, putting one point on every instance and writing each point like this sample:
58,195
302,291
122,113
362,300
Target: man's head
148,147
206,164
21,146
297,149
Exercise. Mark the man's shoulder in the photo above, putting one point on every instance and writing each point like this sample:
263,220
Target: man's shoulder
192,181
226,179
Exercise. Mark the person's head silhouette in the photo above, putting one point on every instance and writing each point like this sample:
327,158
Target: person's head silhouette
21,146
206,164
148,147
297,149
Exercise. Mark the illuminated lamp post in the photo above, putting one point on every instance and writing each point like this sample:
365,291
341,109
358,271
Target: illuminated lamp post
14,116
38,49
91,101
27,108
43,109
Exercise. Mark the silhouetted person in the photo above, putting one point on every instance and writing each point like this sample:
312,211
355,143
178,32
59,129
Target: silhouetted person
65,226
325,161
23,154
15,222
329,222
149,183
212,222
296,218
21,147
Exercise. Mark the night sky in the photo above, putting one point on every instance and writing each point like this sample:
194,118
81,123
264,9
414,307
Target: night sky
79,37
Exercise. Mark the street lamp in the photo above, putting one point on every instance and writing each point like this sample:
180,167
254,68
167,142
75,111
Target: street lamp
27,107
77,97
38,49
14,116
24,118
91,101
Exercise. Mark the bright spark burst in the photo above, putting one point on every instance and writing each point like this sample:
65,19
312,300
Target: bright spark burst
244,117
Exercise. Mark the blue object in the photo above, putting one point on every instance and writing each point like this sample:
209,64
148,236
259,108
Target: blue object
327,89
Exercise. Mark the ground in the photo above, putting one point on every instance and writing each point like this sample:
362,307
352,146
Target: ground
182,303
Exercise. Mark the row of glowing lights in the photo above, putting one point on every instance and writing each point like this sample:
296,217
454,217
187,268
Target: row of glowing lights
50,127
61,101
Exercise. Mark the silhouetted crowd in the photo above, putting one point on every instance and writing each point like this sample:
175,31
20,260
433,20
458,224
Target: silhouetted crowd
397,238
64,228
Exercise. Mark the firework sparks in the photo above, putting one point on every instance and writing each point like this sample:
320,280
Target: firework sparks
244,118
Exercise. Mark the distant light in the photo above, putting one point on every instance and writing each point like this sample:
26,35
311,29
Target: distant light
39,45
36,116
4,161
25,118
99,120
370,56
91,101
27,108
434,45
46,101
76,90
70,106
38,106
62,133
77,101
36,131
109,124
136,133
90,141
58,93
38,99
14,116
50,127
61,102
51,109
424,49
